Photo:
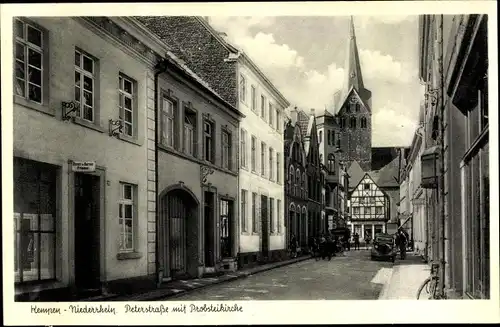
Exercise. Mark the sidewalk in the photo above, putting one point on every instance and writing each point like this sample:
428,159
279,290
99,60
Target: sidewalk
407,276
180,287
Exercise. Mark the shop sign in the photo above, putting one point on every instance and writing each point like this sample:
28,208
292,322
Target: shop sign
83,166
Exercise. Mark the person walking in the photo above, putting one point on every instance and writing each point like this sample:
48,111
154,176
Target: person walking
293,246
322,246
356,241
402,241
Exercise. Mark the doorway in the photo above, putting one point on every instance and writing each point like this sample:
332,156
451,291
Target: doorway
209,215
87,231
264,226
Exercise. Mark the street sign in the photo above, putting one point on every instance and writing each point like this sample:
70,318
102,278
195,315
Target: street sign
83,166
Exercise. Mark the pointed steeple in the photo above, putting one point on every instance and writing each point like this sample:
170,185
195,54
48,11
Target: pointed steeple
352,66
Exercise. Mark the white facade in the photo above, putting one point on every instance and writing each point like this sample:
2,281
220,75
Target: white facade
261,173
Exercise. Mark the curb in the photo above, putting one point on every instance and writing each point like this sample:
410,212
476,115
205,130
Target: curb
240,275
386,286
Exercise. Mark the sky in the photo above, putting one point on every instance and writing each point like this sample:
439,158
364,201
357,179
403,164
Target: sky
304,58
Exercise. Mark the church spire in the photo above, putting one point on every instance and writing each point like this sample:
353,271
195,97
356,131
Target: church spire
353,66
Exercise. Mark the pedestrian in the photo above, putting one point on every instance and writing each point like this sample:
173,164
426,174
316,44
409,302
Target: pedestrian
356,241
368,239
293,246
322,246
330,247
402,241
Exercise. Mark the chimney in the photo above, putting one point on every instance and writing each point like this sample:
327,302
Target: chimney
207,19
312,112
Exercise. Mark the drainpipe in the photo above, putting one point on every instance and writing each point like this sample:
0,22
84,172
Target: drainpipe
444,223
160,67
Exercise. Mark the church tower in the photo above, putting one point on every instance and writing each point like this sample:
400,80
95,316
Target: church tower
352,108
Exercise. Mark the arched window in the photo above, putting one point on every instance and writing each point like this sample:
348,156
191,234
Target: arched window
291,179
342,122
331,163
304,190
352,122
297,182
363,122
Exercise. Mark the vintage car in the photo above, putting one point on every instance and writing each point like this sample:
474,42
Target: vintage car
384,247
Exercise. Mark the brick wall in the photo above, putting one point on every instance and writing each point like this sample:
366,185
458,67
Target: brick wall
201,51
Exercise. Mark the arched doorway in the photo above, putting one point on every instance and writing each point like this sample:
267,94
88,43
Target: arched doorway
291,224
179,218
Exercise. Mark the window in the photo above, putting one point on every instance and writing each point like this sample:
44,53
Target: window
304,193
329,137
243,148
278,215
190,132
278,167
331,163
168,116
297,182
366,186
254,98
208,141
357,107
263,106
126,217
35,221
342,122
244,194
84,85
291,179
378,210
226,150
333,137
263,158
126,104
278,119
271,215
271,163
29,62
320,136
254,155
363,122
254,213
352,122
243,88
271,113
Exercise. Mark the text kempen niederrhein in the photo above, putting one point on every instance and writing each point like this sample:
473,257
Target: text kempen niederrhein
216,308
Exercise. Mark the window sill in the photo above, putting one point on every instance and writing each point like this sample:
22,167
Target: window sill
35,106
130,139
246,233
128,255
84,123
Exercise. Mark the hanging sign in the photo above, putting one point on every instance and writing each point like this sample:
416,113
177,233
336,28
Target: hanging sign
83,166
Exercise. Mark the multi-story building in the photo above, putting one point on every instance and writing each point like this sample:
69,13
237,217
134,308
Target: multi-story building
84,203
370,208
309,176
296,184
453,57
197,175
232,74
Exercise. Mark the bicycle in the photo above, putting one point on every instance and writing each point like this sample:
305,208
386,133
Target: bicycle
430,285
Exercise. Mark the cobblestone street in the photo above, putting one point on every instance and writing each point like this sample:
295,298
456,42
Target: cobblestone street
346,277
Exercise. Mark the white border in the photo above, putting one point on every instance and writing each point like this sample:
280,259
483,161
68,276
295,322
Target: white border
256,312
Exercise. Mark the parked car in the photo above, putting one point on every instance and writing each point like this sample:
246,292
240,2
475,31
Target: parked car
384,247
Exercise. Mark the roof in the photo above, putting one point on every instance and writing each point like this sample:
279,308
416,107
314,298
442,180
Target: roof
303,121
389,174
356,174
184,68
374,174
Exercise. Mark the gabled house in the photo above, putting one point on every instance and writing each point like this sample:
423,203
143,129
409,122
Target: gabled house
369,208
